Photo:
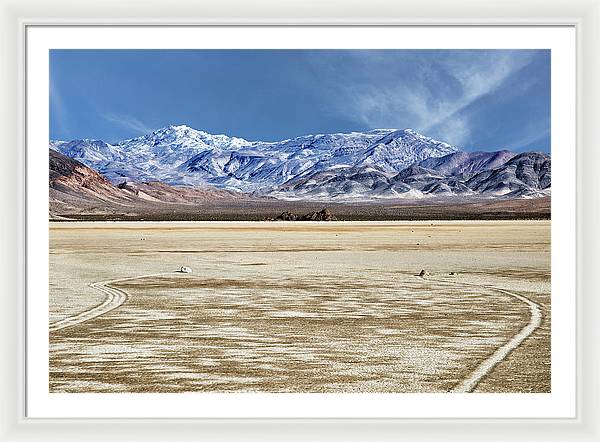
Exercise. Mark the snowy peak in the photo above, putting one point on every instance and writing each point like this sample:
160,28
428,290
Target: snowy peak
182,136
412,137
88,150
400,149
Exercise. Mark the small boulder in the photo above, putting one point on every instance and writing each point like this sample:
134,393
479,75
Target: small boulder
423,273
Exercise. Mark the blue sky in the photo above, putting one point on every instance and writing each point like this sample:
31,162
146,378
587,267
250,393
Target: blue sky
474,99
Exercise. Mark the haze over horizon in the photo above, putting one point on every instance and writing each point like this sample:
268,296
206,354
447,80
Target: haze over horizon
473,99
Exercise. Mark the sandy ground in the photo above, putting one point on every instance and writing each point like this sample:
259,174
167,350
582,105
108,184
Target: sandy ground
299,307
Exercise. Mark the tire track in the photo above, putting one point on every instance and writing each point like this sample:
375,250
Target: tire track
485,367
114,298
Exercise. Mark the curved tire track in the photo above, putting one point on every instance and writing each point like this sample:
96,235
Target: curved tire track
485,367
114,298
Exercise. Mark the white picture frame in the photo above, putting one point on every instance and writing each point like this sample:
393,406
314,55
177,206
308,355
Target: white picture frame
16,16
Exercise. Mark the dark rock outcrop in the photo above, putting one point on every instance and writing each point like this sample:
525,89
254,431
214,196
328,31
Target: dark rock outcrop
287,216
322,215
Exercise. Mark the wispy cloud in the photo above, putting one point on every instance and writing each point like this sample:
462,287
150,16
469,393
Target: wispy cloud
397,89
128,122
58,110
528,139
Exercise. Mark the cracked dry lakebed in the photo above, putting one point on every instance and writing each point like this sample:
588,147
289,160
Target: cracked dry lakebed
300,307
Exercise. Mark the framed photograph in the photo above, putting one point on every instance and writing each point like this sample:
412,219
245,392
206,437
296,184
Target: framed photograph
300,224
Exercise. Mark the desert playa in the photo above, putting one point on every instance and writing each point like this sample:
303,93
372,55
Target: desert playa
300,307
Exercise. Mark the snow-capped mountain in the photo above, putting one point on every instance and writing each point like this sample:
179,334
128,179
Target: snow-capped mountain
467,163
489,174
89,151
381,163
526,174
182,155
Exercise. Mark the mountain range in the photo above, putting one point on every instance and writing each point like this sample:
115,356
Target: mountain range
76,189
358,166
